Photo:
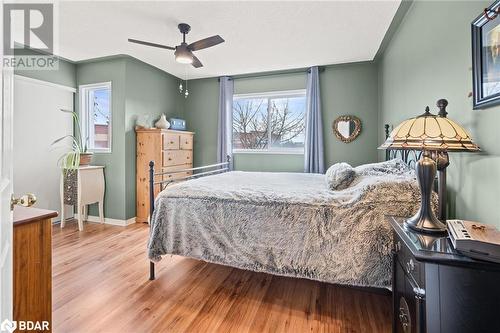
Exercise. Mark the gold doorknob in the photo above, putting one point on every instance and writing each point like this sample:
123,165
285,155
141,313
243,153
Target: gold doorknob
26,200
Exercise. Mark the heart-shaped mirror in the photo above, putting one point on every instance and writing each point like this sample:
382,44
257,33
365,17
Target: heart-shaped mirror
346,128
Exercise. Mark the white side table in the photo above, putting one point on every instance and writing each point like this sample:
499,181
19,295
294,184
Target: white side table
85,187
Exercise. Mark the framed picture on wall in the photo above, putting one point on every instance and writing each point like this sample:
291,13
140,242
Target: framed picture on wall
486,57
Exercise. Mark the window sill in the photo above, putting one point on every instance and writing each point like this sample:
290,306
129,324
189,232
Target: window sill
100,151
267,152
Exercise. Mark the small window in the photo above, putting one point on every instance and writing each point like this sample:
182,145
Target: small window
95,106
269,122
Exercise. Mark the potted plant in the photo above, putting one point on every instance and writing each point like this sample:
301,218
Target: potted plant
78,155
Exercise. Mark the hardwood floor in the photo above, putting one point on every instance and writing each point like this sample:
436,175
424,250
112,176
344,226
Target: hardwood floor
100,284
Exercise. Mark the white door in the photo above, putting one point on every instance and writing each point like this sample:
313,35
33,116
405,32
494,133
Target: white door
6,226
38,121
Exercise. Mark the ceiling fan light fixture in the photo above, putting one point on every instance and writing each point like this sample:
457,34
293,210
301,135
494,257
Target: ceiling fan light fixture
183,55
184,58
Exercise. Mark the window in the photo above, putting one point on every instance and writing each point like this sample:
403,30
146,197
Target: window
95,106
269,122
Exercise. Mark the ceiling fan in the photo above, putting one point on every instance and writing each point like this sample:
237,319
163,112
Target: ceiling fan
184,52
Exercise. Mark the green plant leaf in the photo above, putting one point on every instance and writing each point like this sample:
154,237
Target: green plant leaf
62,138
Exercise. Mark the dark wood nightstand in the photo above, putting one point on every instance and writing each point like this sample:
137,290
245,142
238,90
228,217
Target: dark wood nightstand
436,289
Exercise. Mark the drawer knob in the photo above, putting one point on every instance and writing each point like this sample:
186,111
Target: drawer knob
403,318
171,142
410,266
169,158
404,315
397,246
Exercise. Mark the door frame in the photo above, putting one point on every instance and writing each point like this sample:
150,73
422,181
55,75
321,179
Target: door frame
6,172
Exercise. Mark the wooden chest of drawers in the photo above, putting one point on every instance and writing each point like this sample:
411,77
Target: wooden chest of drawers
170,150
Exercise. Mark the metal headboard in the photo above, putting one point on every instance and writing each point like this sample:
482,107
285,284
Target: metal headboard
212,169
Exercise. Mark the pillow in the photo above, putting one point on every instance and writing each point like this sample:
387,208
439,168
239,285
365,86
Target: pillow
339,176
395,166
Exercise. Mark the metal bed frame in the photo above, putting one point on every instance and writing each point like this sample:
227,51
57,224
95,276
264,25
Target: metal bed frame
217,168
410,157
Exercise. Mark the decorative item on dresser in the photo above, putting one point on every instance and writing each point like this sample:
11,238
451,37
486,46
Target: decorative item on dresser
178,124
162,123
32,258
434,135
435,289
170,150
81,187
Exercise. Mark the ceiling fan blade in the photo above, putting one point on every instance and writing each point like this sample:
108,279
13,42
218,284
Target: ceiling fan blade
196,62
150,44
204,43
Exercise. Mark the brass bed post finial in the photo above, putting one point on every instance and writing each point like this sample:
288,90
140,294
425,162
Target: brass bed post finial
442,104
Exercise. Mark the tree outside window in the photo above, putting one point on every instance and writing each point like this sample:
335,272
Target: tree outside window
270,122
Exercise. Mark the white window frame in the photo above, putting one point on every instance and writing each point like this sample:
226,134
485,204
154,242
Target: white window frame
270,95
84,115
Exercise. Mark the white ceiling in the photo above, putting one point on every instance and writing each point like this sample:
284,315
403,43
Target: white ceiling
260,35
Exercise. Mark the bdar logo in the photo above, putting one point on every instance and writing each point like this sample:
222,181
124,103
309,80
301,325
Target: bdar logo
7,325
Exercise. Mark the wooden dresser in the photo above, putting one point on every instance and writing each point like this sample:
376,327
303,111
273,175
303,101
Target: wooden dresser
32,258
170,150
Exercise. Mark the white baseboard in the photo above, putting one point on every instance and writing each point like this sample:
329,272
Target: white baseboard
122,223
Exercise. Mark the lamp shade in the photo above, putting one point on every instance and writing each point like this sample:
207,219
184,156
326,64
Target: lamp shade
430,132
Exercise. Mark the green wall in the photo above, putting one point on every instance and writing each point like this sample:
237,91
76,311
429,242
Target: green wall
64,75
345,89
429,58
137,89
350,89
103,71
152,92
200,111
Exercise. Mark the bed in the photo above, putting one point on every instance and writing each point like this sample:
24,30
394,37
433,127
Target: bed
285,224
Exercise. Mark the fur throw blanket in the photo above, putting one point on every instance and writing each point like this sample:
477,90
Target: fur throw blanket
287,224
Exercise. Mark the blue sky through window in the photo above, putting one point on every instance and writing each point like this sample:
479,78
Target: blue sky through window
101,106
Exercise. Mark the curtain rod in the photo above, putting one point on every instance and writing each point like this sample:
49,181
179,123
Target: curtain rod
264,74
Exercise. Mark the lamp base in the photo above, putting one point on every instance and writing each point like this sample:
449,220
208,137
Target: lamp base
426,224
425,221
